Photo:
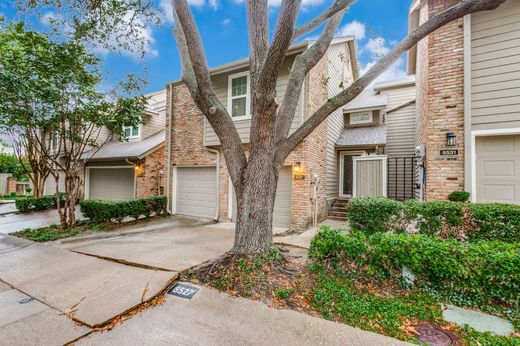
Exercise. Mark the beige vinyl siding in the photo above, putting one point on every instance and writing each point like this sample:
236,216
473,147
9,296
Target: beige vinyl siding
155,123
495,67
339,69
220,86
400,123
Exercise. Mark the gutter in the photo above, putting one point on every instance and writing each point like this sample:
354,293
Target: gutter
217,153
169,151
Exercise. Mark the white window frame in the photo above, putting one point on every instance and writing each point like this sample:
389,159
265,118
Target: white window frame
139,130
359,122
231,98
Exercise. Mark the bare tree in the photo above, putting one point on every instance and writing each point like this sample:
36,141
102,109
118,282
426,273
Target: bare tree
255,177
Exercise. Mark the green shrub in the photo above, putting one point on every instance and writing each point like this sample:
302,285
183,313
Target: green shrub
433,216
103,211
450,219
459,196
373,214
482,272
28,189
496,221
13,194
29,204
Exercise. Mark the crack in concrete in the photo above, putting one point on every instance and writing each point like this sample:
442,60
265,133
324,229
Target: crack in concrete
125,262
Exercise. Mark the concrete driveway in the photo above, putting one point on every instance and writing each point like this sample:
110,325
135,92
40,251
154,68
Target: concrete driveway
171,243
10,223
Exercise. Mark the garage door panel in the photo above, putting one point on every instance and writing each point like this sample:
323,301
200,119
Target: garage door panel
283,201
111,184
196,191
498,169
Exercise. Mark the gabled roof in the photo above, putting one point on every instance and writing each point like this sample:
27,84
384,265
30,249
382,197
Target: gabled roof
294,49
132,150
359,136
368,99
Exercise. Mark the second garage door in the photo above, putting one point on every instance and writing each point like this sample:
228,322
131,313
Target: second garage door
110,184
498,169
196,191
282,203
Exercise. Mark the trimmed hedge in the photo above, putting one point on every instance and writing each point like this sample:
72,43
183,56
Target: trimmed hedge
449,219
459,196
103,211
28,204
484,272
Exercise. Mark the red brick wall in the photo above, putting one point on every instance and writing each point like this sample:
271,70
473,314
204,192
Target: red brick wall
151,182
441,103
188,148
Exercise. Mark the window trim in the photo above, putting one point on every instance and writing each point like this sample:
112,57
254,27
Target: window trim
139,130
370,118
230,98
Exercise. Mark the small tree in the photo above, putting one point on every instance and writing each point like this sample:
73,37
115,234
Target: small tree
59,108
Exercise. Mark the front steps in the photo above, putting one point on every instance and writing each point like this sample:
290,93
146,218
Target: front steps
338,210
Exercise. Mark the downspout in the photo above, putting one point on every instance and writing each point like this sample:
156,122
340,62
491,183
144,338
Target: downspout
217,153
169,151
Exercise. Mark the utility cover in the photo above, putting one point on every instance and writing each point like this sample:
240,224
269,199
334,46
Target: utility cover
183,291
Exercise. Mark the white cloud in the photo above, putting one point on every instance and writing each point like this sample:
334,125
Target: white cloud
396,71
377,47
354,28
166,6
226,21
56,22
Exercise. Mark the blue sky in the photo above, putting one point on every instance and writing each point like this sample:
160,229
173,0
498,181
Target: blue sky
377,24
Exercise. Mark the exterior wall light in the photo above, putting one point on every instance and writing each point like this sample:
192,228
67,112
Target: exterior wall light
139,170
298,171
451,139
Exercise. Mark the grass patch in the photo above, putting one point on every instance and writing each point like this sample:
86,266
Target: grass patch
55,232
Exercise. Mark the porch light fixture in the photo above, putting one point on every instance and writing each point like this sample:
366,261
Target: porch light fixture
139,170
298,171
451,139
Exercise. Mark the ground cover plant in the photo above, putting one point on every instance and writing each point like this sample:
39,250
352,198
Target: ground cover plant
55,232
342,283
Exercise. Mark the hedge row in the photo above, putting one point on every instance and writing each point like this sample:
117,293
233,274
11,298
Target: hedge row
103,211
28,204
449,219
484,272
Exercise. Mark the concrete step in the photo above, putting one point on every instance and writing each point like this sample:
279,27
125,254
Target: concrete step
342,209
337,213
338,218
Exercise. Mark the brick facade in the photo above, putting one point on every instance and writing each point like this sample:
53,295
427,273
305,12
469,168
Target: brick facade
187,148
440,76
151,181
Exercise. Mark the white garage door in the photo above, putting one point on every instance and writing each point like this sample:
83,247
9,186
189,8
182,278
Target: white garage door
196,191
282,203
498,169
110,184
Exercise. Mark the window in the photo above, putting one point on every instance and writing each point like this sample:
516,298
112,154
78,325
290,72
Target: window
238,96
131,131
360,118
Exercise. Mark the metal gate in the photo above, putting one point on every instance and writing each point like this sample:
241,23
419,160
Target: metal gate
402,178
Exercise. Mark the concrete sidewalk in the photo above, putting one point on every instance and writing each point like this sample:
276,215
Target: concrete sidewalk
85,288
215,318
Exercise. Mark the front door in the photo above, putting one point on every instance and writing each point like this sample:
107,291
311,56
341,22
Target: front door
346,178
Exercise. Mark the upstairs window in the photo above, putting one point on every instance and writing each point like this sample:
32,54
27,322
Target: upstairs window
239,96
360,118
131,132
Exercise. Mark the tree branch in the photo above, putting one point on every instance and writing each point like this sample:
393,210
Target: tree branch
301,67
458,11
258,27
199,85
337,6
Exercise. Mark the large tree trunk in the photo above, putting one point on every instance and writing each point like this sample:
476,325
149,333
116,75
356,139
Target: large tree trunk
255,204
